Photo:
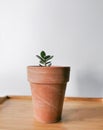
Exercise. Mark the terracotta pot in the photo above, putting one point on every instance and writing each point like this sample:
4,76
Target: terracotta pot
48,86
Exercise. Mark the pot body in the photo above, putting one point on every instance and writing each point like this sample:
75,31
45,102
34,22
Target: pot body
48,85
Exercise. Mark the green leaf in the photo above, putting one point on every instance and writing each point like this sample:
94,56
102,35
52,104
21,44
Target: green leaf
43,54
49,58
40,65
40,58
48,62
42,62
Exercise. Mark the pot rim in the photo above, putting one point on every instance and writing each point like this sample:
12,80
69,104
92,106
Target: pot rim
34,66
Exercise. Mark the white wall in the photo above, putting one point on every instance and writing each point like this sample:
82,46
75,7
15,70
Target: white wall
72,30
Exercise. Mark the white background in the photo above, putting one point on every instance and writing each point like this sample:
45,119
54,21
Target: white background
71,30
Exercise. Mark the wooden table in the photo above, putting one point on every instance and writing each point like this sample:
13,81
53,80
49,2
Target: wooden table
16,114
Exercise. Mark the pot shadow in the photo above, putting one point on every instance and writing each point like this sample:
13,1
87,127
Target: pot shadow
81,114
89,83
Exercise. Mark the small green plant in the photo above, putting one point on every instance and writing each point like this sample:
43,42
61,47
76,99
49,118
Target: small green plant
44,59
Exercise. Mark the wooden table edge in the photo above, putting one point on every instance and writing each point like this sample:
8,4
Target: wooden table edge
65,99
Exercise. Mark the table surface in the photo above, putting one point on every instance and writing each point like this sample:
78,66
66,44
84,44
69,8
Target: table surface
17,114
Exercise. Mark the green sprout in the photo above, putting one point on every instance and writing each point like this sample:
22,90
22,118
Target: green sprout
44,59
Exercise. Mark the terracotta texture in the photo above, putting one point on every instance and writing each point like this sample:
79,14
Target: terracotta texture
48,86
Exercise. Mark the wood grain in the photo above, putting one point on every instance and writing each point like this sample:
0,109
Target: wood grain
16,114
66,98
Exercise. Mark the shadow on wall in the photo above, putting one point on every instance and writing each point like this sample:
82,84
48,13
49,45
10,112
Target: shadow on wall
90,83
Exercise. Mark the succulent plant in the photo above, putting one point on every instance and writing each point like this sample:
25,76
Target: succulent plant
44,59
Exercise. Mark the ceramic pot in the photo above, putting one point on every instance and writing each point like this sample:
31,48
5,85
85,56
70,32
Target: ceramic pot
48,85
